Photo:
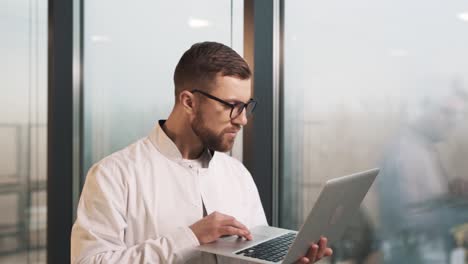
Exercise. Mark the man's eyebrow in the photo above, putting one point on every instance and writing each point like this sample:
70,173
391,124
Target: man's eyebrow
233,100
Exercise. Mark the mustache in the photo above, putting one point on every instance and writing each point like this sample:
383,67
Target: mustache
233,129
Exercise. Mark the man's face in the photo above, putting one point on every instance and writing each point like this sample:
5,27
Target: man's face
211,121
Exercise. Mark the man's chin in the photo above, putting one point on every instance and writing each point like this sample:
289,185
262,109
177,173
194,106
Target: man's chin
225,147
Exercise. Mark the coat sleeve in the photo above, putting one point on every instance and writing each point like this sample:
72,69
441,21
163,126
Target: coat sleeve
99,230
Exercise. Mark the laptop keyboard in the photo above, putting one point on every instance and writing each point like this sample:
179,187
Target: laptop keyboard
271,250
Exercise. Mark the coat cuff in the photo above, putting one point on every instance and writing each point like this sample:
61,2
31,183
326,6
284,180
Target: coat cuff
185,242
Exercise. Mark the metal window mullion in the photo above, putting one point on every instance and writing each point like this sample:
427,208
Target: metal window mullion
60,130
260,147
78,62
276,111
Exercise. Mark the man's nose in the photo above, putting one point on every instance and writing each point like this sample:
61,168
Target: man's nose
241,119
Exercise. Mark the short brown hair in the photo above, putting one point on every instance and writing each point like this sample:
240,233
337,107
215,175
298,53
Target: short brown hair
199,65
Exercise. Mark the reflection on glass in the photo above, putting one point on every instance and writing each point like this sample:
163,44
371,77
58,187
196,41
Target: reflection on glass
424,203
380,84
130,56
23,131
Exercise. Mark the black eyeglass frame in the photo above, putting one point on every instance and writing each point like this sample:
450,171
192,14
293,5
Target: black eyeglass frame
233,106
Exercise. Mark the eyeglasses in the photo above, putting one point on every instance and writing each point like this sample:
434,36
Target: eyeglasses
236,108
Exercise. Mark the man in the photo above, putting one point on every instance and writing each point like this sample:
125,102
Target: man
156,200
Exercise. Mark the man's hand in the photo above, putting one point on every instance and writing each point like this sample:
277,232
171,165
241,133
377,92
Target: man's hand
316,252
215,225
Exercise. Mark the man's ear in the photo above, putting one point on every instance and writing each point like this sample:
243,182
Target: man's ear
187,100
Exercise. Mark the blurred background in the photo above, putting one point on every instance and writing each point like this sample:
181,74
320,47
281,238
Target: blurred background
363,84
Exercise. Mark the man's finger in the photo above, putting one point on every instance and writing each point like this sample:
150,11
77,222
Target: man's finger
303,260
312,253
239,225
234,223
230,230
328,252
322,247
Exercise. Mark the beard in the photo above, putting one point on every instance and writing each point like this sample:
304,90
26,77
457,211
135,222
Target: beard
208,137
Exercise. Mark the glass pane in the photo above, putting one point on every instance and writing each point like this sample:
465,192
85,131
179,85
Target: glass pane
130,56
23,131
380,84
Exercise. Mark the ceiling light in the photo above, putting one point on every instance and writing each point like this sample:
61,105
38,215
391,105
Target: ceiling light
100,38
463,16
198,23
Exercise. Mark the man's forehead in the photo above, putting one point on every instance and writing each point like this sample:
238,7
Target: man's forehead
233,88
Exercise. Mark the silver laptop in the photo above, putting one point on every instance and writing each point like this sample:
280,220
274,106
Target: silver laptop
337,202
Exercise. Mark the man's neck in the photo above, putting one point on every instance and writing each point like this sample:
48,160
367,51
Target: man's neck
178,129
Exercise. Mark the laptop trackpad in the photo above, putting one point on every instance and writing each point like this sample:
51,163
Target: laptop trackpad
234,243
231,244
